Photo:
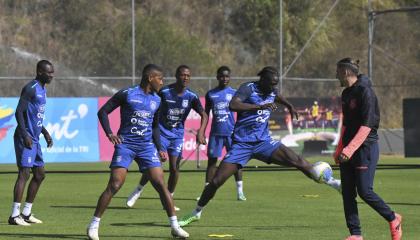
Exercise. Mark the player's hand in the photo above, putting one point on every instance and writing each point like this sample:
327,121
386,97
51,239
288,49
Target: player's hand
271,106
294,113
201,139
343,158
27,141
48,139
114,139
163,156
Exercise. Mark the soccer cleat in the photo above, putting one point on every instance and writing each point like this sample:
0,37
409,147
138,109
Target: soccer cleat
334,183
395,227
179,233
92,233
132,198
18,220
30,219
241,197
187,219
354,237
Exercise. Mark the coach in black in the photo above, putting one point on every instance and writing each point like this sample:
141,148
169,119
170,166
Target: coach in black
358,151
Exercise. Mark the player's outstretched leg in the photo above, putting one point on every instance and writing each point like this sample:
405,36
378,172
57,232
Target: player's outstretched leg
285,156
156,178
224,171
115,182
132,198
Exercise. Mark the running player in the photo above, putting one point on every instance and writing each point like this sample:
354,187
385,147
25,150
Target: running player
29,116
357,151
139,126
177,102
217,101
254,102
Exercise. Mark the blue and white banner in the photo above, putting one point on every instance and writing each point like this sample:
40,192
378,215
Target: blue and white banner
72,123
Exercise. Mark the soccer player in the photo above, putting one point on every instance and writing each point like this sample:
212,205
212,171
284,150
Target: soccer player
29,117
139,126
217,101
177,102
254,102
357,151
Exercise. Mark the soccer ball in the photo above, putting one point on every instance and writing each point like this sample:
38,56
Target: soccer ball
323,171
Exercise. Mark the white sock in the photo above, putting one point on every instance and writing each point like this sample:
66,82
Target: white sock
207,183
174,222
95,222
27,209
197,211
15,209
239,187
172,194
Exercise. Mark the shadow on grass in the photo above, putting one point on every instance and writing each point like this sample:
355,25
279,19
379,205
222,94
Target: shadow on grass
88,207
157,198
396,203
74,236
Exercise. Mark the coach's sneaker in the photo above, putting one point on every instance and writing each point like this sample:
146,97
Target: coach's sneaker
92,233
395,227
354,237
30,218
241,197
18,220
179,233
132,198
187,219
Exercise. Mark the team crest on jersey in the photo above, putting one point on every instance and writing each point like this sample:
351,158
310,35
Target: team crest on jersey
228,96
153,105
185,103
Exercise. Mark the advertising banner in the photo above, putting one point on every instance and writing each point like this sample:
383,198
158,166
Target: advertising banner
71,122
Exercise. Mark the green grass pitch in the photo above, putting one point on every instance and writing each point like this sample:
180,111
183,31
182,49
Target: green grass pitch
280,205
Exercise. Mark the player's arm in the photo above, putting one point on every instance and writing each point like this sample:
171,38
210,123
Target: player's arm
113,103
207,107
156,137
282,100
25,97
367,115
238,104
47,137
196,105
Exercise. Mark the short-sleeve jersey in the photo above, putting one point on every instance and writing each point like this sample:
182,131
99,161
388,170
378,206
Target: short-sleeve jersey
252,126
174,110
360,108
36,95
137,111
223,119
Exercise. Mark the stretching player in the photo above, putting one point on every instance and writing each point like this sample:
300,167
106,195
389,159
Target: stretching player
254,102
217,101
177,101
139,125
29,116
357,151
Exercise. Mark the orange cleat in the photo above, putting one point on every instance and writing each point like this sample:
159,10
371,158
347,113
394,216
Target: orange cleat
395,227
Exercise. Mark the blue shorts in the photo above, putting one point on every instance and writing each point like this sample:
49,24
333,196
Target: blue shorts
173,146
242,152
26,157
216,144
145,155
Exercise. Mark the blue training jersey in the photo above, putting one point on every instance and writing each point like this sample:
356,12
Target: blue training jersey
252,126
137,110
175,109
223,119
35,96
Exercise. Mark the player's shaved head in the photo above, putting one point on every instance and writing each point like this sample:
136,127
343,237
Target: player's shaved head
42,65
222,69
180,68
269,78
149,69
